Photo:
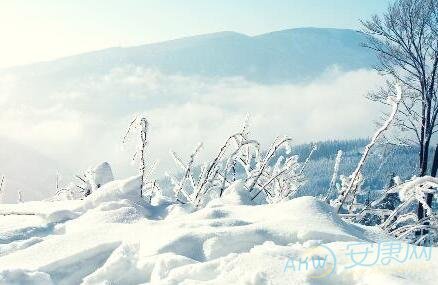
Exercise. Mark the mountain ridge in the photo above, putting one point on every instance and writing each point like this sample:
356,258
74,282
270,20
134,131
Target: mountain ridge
291,55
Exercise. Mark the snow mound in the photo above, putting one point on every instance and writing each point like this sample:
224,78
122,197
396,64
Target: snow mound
115,191
102,174
237,194
19,277
114,237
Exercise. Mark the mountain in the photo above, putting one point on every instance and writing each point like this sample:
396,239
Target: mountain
293,55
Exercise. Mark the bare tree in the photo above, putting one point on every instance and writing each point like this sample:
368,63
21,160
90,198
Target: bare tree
405,39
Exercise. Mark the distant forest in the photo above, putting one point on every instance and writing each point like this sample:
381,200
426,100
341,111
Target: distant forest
384,161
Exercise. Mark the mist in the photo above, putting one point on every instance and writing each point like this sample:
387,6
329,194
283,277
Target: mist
81,123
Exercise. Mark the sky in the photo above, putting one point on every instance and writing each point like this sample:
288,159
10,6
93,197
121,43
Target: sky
43,30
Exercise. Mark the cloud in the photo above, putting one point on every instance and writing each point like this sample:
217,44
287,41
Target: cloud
82,122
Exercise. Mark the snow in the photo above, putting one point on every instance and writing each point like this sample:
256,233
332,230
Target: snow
417,185
236,194
102,174
114,237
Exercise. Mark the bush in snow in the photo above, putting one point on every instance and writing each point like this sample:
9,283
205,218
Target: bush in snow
403,222
267,173
91,180
377,211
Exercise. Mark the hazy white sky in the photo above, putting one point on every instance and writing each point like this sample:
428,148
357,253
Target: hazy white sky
60,128
40,30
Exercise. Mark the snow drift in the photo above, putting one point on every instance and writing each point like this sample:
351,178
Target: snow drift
113,237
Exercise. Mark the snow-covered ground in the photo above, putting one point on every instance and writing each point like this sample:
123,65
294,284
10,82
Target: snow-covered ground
113,237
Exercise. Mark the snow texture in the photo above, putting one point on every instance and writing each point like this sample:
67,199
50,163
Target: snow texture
114,237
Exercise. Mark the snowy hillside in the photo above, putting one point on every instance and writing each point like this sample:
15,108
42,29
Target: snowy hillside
112,237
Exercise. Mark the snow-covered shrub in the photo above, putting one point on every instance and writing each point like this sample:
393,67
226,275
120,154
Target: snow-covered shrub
89,181
240,158
342,188
72,191
403,222
375,212
277,177
217,175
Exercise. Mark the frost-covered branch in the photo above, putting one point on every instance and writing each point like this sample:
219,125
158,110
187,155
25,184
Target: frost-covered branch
139,126
239,158
351,189
402,222
188,173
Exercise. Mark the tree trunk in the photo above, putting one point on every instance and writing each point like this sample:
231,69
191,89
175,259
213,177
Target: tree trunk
424,160
421,213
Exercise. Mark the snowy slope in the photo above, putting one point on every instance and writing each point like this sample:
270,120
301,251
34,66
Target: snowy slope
112,237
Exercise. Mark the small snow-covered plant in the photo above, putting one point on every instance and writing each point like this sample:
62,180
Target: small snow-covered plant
182,194
78,189
20,197
215,176
58,181
88,182
278,177
403,222
2,186
139,128
345,184
270,173
64,193
376,212
332,185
